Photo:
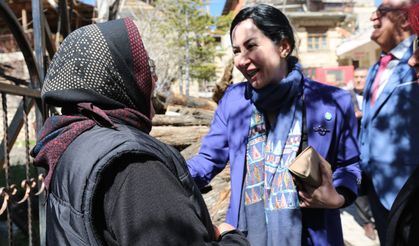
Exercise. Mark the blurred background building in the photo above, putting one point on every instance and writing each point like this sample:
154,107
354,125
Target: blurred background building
333,37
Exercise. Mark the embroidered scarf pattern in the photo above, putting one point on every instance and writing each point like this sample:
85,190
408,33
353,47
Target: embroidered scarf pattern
270,212
268,178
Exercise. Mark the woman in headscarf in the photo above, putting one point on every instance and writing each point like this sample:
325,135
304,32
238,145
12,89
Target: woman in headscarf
108,181
261,125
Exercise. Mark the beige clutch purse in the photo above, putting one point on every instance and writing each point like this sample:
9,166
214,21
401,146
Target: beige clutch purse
306,167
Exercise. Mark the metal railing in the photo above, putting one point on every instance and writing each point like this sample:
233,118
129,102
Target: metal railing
29,193
12,195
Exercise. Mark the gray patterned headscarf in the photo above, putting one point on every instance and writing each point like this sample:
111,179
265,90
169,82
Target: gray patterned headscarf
105,64
100,74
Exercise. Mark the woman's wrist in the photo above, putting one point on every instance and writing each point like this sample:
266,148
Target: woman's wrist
230,232
347,194
340,201
224,229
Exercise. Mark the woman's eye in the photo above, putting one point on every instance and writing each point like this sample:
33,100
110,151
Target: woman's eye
250,46
236,51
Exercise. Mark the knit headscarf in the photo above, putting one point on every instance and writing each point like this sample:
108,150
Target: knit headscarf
99,75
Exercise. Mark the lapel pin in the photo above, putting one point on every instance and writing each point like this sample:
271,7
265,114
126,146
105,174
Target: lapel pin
328,116
321,130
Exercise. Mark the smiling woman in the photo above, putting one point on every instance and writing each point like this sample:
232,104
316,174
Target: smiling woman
261,125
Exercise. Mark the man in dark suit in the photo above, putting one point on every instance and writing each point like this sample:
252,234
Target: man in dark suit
389,134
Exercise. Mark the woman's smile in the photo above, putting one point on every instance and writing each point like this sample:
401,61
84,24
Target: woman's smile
258,58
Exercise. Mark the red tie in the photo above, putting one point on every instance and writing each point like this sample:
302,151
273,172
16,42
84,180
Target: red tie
384,61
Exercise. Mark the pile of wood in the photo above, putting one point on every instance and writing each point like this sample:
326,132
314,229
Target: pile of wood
181,126
185,122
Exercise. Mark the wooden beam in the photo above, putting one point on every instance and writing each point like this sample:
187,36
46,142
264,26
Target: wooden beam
179,137
65,21
8,16
19,91
179,120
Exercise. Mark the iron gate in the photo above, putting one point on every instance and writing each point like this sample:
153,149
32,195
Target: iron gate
24,198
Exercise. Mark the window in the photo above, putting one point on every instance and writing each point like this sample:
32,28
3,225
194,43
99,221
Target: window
316,41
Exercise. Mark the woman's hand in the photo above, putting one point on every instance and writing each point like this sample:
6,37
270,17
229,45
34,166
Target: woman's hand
358,114
325,196
223,227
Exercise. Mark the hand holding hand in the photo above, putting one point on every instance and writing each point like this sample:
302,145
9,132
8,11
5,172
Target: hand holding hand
325,196
223,227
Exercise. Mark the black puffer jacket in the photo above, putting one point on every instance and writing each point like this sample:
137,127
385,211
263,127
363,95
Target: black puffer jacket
74,187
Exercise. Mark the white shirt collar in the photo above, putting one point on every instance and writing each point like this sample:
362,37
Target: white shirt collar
402,47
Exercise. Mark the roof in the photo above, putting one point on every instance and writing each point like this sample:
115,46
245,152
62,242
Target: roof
354,42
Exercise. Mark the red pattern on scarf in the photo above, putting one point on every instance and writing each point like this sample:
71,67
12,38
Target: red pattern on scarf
141,68
72,126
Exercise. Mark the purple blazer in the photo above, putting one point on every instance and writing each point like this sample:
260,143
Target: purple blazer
327,108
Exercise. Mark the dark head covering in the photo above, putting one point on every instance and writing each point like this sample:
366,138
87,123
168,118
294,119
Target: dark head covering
105,64
100,75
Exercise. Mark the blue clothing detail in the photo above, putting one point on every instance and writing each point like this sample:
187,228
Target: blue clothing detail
389,136
254,187
285,229
270,195
278,94
41,143
228,137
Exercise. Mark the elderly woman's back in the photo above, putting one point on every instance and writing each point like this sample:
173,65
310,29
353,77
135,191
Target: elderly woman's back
108,181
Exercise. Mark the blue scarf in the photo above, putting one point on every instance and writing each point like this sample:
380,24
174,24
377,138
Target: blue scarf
269,212
274,96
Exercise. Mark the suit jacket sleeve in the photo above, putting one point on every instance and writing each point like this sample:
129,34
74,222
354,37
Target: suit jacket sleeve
347,174
214,153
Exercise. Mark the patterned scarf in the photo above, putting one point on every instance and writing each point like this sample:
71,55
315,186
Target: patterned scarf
99,75
270,212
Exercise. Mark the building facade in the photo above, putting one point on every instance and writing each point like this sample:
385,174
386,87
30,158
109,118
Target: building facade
321,27
358,49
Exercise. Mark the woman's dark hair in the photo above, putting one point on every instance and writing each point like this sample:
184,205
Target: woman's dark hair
270,20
